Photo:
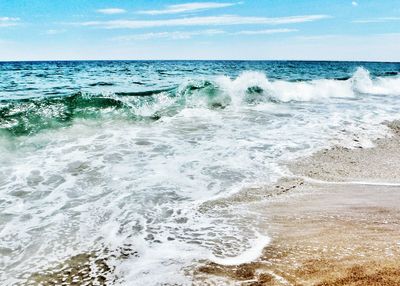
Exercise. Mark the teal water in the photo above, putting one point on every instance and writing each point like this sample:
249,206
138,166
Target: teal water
42,95
100,155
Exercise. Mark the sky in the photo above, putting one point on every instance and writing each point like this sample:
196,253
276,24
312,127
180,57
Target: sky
216,30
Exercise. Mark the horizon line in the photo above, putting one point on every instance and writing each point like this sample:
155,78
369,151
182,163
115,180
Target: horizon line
197,60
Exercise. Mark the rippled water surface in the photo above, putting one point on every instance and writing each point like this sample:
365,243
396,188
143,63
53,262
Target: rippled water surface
101,155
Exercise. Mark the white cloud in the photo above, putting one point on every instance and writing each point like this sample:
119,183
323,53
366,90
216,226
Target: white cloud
340,37
175,35
55,31
8,21
188,7
223,20
111,11
317,37
266,32
377,20
354,3
180,35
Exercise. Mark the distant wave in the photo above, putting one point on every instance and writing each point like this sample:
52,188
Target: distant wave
102,83
143,93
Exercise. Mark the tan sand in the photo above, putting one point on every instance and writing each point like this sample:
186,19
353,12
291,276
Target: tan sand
324,233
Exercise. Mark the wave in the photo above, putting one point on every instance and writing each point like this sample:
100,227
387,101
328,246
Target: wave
101,83
143,93
28,116
316,90
363,83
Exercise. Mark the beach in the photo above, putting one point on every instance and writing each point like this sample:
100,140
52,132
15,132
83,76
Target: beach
185,172
206,142
336,223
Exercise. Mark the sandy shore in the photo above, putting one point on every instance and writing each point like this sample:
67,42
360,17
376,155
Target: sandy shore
337,223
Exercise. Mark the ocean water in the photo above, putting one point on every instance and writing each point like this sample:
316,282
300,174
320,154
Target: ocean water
105,156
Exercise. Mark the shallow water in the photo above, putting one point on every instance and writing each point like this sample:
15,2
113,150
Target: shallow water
100,155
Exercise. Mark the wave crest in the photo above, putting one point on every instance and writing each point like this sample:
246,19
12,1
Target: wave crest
240,89
363,83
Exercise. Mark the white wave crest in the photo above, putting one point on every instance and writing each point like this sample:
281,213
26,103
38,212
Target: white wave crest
363,83
360,83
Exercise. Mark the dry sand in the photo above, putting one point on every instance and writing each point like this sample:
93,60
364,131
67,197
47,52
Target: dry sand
342,226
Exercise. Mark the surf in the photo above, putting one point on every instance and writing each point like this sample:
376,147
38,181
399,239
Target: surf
31,115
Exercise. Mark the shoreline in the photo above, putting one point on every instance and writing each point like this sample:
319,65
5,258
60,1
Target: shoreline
333,223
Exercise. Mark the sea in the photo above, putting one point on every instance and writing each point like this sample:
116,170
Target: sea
103,156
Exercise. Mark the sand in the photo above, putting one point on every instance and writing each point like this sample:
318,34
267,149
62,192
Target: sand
336,223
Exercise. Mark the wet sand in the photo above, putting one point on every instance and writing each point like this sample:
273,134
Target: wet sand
339,224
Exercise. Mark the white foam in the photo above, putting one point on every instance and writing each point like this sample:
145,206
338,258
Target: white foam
250,255
362,183
314,90
363,83
237,88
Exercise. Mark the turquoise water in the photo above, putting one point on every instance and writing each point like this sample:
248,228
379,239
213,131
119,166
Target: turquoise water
43,95
100,155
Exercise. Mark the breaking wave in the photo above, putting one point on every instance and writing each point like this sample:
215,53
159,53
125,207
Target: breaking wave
27,116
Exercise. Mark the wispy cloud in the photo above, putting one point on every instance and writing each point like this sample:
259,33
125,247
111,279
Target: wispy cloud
111,11
175,35
8,21
341,37
266,32
181,35
318,37
188,7
377,20
223,20
55,31
354,3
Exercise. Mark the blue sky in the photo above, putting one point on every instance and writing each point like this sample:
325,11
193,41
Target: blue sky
249,29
